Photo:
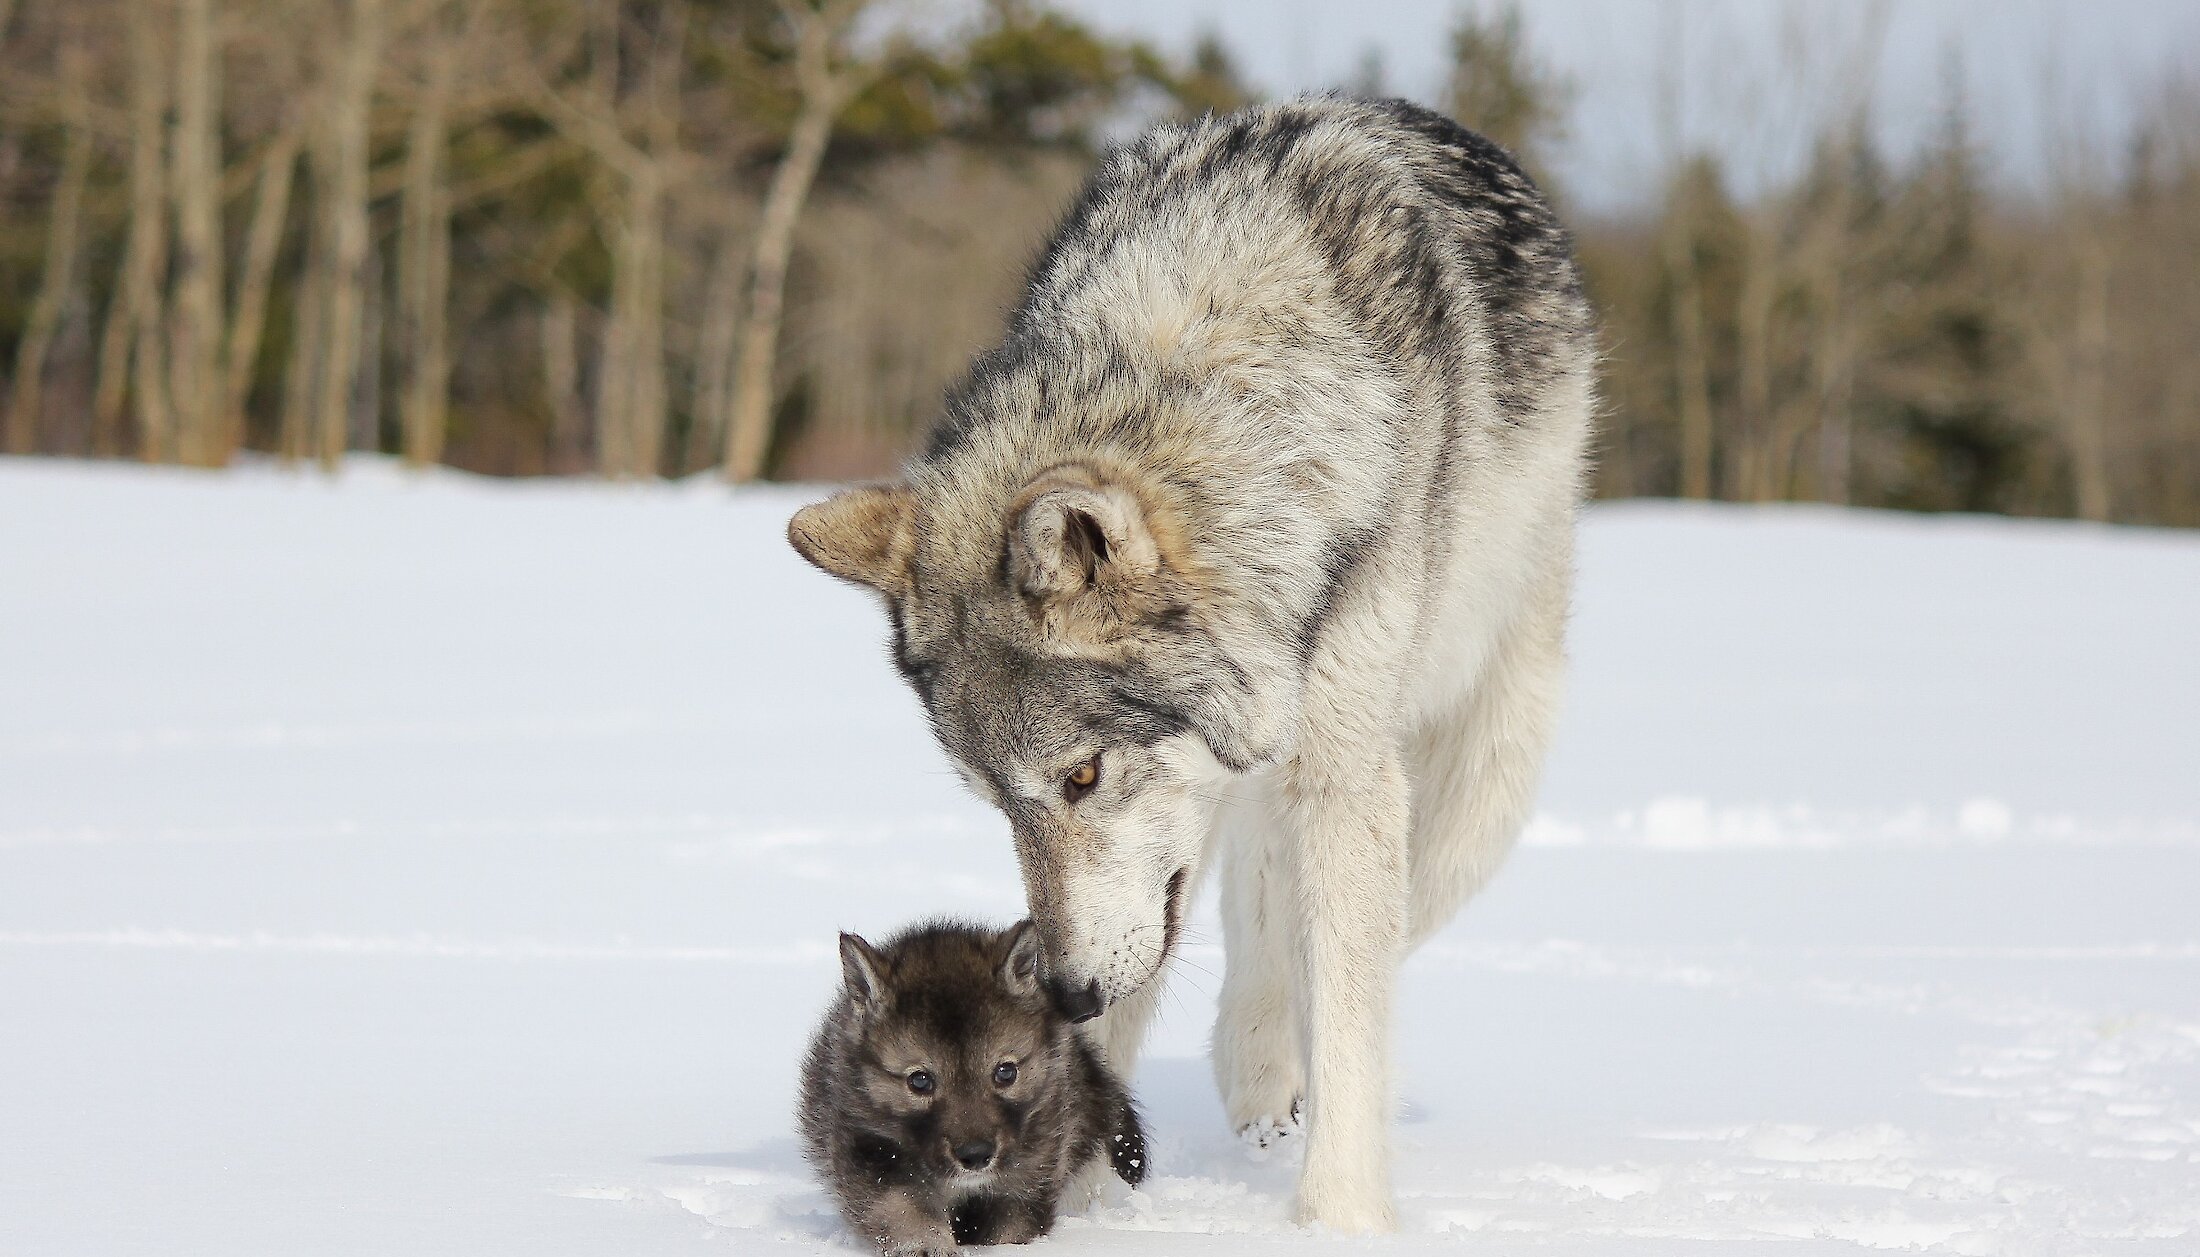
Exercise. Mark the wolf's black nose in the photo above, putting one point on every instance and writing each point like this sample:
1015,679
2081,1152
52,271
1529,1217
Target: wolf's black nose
1081,1004
975,1155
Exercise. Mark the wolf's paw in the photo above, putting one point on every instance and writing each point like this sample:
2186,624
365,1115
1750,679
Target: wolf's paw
1359,1209
937,1246
1258,1072
1264,1133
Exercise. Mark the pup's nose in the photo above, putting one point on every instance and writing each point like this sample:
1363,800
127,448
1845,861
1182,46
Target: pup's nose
1082,1004
975,1155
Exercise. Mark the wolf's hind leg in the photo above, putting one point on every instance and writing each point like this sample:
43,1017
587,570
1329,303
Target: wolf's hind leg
1260,1065
1475,768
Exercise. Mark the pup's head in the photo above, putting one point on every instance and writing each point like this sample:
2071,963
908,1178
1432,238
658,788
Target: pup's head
1058,639
957,1043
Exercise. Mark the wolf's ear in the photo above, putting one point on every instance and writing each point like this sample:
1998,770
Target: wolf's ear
863,970
1020,959
859,534
1071,532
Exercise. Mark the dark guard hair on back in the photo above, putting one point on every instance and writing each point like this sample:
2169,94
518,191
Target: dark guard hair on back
946,1102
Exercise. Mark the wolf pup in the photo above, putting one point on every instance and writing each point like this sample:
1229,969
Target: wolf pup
1250,547
945,1101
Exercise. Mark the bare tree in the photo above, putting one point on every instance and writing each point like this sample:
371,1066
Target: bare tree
2065,319
636,135
826,82
302,375
195,174
344,272
64,223
714,345
271,198
424,246
561,377
130,344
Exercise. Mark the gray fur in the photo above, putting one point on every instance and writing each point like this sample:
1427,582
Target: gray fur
955,1001
1266,501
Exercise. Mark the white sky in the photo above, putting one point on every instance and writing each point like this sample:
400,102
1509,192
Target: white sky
1742,94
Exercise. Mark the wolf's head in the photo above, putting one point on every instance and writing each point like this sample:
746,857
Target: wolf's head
1062,642
958,1050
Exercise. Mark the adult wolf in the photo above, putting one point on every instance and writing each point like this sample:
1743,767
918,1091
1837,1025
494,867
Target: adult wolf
1253,540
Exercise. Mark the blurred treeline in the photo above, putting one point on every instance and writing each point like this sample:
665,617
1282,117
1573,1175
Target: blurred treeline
654,237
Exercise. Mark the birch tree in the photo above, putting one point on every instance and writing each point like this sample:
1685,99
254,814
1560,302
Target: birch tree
130,349
424,240
826,81
195,171
635,136
343,269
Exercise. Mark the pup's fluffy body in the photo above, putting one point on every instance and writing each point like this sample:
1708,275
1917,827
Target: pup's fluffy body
957,1156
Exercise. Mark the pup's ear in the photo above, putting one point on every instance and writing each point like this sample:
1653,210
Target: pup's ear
862,969
1020,959
859,534
1071,532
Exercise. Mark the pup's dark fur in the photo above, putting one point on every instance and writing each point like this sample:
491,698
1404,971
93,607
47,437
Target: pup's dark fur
967,1159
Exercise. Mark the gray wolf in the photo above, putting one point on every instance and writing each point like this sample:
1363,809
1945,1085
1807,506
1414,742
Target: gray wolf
945,1101
1250,547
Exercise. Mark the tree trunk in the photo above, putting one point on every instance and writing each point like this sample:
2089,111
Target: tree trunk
1691,367
424,260
1833,364
630,387
561,373
130,344
714,347
824,91
749,422
64,218
195,318
1755,432
263,241
350,101
2084,423
302,378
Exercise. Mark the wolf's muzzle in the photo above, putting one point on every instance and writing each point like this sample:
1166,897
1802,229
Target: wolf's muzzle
1082,1004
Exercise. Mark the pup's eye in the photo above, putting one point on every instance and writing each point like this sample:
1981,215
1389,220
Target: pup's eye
1004,1074
920,1081
1081,779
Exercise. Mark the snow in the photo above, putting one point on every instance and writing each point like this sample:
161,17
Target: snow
427,865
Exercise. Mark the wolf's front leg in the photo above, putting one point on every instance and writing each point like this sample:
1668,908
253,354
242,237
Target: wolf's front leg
1349,816
1260,1066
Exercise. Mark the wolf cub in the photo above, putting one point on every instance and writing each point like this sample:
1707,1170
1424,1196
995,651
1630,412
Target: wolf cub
945,1101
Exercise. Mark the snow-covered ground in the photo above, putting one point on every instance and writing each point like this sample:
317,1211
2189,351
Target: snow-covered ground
435,866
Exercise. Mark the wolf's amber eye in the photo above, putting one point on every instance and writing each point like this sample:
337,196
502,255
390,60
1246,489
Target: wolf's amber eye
1081,780
920,1081
1004,1074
